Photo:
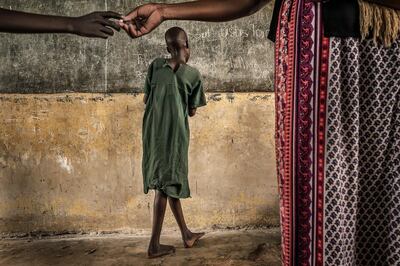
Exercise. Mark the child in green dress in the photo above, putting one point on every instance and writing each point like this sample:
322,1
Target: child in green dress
173,90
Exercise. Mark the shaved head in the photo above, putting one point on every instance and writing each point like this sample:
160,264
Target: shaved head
177,44
175,37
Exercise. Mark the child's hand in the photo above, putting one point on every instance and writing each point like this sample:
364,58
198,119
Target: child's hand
96,24
142,20
192,111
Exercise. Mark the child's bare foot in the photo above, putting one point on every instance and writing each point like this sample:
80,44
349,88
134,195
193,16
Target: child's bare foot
191,239
159,251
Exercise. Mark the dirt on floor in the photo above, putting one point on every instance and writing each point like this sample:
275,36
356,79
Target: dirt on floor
223,247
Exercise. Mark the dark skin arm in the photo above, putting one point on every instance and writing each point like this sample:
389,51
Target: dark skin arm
96,24
389,3
192,111
144,19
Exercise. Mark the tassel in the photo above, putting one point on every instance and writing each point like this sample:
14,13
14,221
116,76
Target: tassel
379,22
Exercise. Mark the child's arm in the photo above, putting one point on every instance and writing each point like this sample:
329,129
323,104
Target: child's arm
96,24
197,98
192,111
147,82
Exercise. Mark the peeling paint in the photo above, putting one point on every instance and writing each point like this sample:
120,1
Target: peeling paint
260,97
215,97
65,163
230,97
78,165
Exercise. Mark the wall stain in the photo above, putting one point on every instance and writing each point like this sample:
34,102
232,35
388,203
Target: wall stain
72,162
259,97
215,97
66,99
97,99
230,97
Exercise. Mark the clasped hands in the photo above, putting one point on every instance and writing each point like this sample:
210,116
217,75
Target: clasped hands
136,23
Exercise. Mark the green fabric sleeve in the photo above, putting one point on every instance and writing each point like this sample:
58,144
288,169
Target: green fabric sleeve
197,98
147,83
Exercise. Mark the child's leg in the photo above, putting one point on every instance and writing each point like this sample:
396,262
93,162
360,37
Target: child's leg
189,238
155,248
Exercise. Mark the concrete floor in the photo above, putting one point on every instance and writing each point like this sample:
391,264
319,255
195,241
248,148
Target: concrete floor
224,247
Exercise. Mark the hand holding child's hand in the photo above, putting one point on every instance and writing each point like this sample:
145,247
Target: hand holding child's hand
142,20
96,24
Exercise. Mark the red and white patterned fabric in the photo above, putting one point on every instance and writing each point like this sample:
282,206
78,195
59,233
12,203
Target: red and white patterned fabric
338,144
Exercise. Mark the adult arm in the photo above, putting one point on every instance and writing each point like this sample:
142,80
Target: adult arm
96,24
389,3
146,18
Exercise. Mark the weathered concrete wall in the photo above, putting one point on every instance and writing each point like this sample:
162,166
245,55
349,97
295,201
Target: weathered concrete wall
73,162
233,56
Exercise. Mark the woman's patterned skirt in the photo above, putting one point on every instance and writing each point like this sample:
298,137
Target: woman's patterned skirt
338,144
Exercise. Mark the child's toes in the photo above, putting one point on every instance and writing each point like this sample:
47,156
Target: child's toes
192,241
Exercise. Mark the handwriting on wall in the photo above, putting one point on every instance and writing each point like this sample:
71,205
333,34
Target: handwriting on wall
231,56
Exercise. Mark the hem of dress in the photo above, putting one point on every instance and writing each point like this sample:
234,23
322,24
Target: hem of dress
146,191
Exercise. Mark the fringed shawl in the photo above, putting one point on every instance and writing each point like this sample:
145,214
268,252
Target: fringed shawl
379,22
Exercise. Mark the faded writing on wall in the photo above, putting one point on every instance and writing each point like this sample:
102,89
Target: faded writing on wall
231,56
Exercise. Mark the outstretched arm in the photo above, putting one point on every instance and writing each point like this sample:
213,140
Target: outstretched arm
212,10
146,18
389,3
96,24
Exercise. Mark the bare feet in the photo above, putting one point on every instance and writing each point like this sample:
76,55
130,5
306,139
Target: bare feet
159,251
191,239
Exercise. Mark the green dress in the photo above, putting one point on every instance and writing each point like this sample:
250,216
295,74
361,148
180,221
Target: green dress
166,126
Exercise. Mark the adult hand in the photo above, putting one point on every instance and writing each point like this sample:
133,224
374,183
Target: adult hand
142,20
96,24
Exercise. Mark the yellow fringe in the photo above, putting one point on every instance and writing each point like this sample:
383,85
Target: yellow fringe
380,23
